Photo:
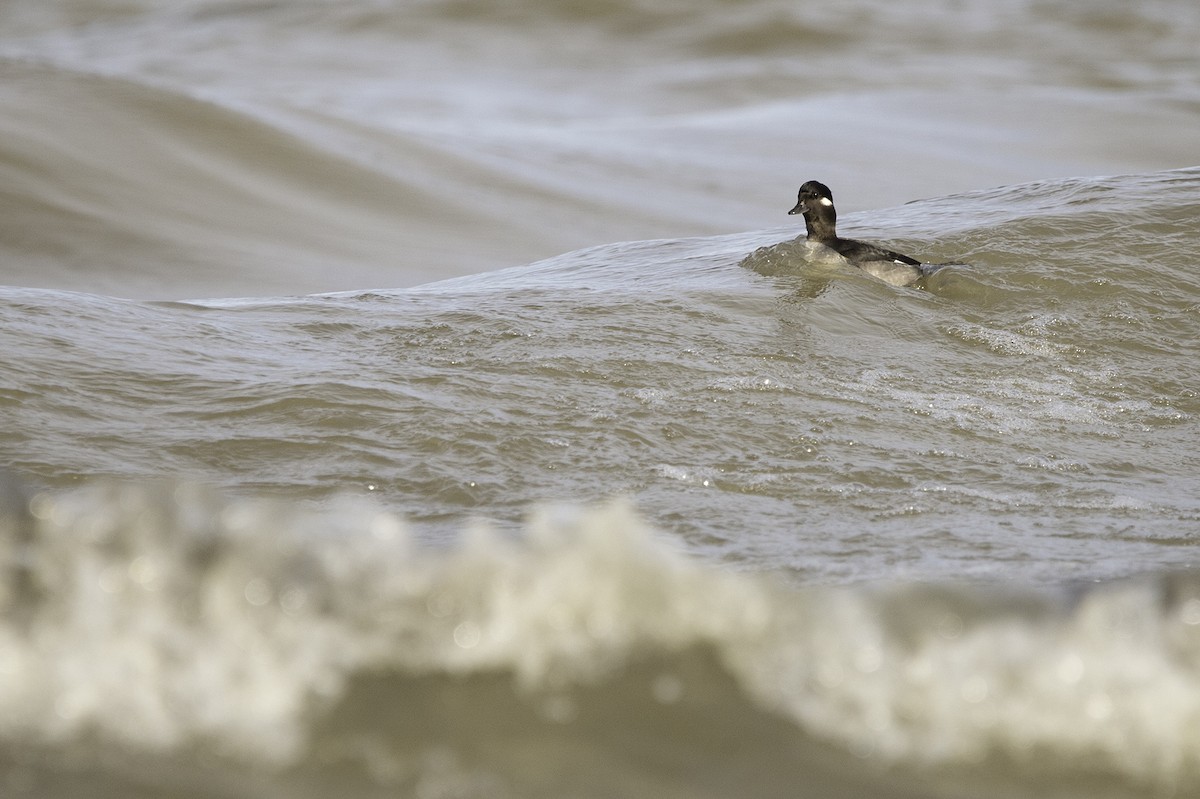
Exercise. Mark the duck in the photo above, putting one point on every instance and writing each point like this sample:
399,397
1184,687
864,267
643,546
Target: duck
815,201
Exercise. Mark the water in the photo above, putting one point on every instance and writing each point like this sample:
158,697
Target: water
407,400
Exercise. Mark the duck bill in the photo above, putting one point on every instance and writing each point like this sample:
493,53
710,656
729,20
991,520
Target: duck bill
799,209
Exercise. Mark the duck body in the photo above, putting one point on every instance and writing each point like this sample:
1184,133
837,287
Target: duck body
815,202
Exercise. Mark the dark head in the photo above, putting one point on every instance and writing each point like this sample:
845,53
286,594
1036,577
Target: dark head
815,201
813,194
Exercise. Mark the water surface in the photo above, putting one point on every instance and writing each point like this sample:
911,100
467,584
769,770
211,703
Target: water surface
433,399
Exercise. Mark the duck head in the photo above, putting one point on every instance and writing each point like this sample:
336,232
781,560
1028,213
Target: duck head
814,197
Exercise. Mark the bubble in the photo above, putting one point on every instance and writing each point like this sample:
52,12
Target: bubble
975,689
112,579
293,599
830,674
559,709
440,605
258,592
667,689
143,572
385,528
1070,669
868,659
950,626
1189,612
467,635
42,507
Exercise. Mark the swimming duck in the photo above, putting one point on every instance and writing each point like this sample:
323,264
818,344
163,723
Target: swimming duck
815,201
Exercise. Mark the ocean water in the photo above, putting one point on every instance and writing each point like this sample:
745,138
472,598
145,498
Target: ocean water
433,399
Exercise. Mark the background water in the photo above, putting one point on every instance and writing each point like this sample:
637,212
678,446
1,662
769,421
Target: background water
681,508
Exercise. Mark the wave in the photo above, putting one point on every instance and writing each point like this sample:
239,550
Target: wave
125,184
650,368
166,621
137,189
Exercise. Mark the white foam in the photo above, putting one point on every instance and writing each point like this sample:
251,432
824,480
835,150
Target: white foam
169,617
